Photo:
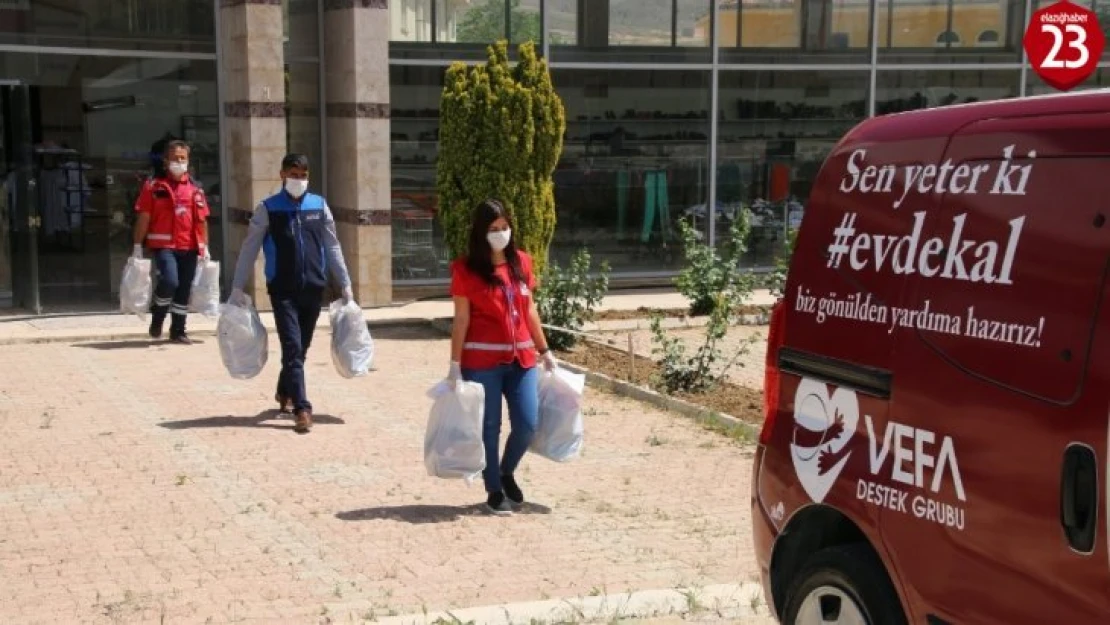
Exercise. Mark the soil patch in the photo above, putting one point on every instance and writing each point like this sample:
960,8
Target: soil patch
645,312
739,401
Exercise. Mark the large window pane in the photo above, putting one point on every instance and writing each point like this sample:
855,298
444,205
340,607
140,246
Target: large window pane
302,34
634,161
1035,86
526,22
792,31
631,31
410,20
951,31
302,121
418,249
898,91
466,21
96,123
184,25
775,131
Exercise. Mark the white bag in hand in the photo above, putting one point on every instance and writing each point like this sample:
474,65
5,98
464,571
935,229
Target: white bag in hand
352,349
204,297
135,287
453,447
243,341
559,432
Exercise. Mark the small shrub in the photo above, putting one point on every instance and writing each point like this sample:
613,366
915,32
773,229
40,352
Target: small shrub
776,280
710,272
568,299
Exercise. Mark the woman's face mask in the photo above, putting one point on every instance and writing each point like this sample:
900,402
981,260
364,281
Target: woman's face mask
499,240
177,168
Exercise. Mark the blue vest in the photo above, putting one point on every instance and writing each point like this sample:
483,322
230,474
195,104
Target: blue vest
295,247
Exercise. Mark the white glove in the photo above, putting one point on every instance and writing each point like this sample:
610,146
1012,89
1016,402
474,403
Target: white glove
548,361
348,295
239,298
137,252
454,374
205,255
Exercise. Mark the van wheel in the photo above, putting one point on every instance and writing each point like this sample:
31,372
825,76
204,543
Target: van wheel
843,585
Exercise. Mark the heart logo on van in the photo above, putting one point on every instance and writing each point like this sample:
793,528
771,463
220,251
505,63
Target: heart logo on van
823,426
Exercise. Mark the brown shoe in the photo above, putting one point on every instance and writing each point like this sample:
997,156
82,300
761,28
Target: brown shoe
285,404
304,422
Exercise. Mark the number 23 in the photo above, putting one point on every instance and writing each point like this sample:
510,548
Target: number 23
1078,43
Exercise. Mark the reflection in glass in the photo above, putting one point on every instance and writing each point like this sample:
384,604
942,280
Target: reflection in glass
1098,80
526,23
471,21
410,20
95,122
302,35
634,161
184,25
898,91
302,121
776,129
947,27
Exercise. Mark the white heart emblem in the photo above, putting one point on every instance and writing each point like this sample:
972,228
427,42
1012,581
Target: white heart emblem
823,426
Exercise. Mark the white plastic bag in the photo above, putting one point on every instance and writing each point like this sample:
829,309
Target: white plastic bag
453,447
559,432
243,341
135,287
204,297
352,349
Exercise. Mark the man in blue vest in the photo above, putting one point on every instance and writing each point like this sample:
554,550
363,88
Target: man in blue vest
296,231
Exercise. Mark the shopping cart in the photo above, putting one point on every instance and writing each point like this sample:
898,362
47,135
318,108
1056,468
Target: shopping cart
414,251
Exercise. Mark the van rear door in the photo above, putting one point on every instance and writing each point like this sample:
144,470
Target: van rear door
1001,388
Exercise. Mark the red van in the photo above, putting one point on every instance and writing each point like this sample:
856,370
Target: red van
938,379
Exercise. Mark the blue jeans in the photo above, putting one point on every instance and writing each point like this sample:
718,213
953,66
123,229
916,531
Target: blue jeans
176,269
520,387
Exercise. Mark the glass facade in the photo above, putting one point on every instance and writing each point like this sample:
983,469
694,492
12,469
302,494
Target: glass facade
637,80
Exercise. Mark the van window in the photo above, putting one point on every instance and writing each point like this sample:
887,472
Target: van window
1011,293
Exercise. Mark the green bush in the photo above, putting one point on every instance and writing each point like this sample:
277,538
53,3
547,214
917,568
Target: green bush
501,134
776,280
699,373
710,272
567,299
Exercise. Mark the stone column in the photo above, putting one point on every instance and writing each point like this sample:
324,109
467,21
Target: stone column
252,64
356,54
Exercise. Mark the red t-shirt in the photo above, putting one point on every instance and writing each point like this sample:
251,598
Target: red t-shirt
498,332
177,210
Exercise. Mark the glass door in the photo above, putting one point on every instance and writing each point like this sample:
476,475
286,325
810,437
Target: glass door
19,203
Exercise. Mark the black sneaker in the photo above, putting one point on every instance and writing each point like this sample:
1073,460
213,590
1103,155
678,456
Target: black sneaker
181,338
512,491
155,329
496,504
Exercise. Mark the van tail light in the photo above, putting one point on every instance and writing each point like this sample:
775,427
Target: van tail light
771,378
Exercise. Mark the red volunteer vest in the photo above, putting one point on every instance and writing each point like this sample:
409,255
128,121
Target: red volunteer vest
177,212
498,332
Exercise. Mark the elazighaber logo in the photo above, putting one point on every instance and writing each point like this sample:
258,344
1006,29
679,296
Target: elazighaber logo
823,427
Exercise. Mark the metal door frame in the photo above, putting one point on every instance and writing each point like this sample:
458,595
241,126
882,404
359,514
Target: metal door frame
25,221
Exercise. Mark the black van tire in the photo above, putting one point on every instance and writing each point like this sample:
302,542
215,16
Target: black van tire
856,571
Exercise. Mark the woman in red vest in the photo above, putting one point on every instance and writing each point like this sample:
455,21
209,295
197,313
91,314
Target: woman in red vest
495,340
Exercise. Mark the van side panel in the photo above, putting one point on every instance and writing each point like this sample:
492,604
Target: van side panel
1002,370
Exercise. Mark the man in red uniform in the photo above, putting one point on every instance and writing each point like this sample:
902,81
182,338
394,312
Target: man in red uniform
172,222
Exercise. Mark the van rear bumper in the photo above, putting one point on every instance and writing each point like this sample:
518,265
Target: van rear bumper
764,533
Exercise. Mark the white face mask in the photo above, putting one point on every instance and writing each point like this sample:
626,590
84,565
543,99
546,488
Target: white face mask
499,240
177,168
296,187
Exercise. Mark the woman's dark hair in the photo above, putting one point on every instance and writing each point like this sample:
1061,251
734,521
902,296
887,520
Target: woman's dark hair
480,259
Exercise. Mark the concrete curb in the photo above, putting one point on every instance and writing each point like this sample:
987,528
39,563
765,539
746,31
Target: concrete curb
139,334
737,603
640,393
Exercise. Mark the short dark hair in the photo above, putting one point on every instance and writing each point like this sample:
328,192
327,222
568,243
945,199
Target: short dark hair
294,159
173,145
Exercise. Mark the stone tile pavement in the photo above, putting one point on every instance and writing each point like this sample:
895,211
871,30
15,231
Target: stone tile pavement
139,483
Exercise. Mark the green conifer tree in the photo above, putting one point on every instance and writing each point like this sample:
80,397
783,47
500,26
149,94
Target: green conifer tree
501,134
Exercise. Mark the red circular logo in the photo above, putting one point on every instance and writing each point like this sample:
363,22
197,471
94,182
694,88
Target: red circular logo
1064,43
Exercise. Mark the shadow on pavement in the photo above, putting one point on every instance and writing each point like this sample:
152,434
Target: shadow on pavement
418,514
257,421
133,344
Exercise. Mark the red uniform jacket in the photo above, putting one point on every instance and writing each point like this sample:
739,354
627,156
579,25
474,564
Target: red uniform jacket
498,332
178,210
